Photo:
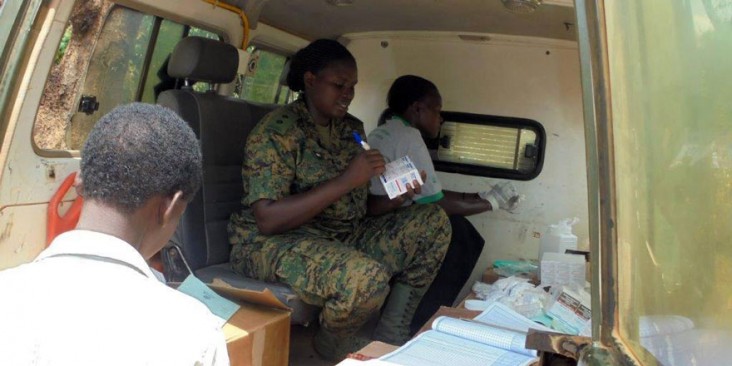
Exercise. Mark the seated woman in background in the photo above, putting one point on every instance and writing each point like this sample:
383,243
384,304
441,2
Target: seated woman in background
304,222
414,106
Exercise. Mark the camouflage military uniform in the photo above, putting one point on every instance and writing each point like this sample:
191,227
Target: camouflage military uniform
341,260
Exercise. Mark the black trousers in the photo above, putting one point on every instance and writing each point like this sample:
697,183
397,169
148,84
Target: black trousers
462,254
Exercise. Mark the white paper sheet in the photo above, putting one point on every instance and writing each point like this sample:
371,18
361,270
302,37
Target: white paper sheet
503,316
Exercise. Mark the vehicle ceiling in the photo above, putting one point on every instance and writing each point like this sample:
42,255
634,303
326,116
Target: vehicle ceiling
312,19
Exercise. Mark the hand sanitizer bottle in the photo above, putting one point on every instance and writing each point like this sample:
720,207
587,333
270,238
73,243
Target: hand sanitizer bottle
558,238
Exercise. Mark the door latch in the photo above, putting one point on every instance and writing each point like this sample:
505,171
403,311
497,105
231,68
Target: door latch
88,104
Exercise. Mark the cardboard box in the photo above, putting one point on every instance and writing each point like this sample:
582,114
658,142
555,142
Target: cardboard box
490,276
258,334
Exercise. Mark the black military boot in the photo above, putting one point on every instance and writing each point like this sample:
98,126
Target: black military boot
393,327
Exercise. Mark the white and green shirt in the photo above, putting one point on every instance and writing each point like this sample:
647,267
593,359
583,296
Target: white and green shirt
397,138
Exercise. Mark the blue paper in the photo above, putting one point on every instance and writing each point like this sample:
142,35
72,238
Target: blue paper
218,305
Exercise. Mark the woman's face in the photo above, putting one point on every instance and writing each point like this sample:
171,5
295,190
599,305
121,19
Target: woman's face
331,90
429,119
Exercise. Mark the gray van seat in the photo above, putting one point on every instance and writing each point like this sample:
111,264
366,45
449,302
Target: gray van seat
222,125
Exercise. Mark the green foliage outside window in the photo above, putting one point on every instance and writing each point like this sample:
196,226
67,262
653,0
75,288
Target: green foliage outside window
262,82
64,43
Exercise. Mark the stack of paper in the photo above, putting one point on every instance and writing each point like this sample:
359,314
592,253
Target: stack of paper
495,337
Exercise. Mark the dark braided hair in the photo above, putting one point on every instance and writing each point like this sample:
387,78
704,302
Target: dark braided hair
315,57
138,151
406,90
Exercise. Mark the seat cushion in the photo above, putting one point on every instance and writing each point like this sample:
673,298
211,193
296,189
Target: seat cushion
302,313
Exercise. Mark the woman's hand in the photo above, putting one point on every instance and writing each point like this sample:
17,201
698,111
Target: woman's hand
378,205
363,167
415,188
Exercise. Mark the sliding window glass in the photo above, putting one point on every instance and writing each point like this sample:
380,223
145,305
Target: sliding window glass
491,146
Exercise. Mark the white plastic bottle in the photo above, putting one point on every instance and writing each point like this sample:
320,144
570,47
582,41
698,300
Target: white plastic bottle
558,238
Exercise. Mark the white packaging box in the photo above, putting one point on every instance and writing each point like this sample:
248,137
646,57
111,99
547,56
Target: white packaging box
562,269
398,174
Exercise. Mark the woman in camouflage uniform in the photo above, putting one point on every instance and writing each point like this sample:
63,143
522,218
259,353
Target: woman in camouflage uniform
305,219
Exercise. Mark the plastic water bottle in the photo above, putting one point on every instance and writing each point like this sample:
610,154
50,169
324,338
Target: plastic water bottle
558,238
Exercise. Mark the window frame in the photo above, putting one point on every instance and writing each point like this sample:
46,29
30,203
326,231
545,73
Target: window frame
607,346
149,50
281,88
14,17
485,171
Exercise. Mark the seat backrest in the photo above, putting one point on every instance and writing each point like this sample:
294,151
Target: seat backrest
222,125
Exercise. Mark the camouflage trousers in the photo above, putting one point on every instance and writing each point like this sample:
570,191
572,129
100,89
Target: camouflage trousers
348,274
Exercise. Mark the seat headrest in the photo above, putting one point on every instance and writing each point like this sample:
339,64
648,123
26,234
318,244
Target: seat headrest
203,59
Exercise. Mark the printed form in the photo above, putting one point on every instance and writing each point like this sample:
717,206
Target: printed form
495,337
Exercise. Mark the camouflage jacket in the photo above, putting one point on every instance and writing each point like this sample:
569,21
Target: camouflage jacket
284,156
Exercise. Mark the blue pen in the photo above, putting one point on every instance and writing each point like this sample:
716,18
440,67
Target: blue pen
358,139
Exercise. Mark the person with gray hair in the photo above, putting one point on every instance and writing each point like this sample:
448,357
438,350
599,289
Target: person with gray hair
91,298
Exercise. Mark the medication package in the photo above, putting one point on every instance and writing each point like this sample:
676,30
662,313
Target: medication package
562,269
397,175
569,308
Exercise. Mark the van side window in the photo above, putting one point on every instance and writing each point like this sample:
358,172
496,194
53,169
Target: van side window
261,83
491,146
121,60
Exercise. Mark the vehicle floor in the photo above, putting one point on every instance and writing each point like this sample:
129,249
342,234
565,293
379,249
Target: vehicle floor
302,352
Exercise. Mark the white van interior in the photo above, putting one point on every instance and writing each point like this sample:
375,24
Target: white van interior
522,91
514,75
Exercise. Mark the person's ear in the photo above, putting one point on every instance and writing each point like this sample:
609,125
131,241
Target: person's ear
172,208
412,112
309,79
79,185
